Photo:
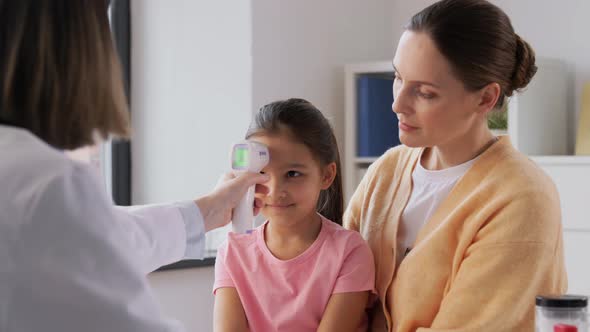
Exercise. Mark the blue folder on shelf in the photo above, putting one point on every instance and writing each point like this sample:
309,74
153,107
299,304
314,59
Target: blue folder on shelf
377,125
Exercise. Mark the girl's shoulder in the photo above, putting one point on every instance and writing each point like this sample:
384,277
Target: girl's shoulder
238,242
348,250
341,237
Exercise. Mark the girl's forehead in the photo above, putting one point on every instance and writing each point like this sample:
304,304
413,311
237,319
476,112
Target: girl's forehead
283,147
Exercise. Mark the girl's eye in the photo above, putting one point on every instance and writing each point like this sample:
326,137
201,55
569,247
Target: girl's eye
293,174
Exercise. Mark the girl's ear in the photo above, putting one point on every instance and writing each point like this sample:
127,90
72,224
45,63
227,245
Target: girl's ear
328,175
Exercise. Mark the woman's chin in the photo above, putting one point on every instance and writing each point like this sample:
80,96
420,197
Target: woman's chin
409,141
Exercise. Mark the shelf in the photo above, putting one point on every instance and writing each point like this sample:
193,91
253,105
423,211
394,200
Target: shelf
542,160
365,160
381,67
561,160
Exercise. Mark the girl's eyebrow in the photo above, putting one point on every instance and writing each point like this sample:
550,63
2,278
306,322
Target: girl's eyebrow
419,82
296,165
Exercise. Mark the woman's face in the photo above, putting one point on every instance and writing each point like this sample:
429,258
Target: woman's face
431,104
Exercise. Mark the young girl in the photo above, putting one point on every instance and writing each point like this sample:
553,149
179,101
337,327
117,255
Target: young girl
300,271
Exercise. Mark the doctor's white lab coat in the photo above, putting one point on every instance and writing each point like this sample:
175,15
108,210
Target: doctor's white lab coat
70,260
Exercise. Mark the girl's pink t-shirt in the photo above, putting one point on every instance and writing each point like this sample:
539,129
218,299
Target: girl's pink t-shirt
291,295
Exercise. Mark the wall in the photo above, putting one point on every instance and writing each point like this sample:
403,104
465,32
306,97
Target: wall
300,48
191,94
191,98
186,296
555,29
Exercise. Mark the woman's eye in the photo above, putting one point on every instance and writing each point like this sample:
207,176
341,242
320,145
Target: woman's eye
425,95
293,174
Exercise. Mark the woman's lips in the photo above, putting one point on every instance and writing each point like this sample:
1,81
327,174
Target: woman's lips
406,127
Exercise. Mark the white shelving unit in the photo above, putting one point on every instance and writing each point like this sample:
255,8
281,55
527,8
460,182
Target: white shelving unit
537,117
353,166
537,125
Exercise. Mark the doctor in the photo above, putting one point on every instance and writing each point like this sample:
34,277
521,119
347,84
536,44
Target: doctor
69,260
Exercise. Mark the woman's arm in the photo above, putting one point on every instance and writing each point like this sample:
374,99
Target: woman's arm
516,256
344,312
229,315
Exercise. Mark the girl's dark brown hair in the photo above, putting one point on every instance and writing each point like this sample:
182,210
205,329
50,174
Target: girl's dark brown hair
477,38
309,126
61,78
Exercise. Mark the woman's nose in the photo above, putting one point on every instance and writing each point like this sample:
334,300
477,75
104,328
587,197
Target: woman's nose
400,103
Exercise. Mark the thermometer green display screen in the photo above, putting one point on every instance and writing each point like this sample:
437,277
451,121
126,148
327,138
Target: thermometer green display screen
240,158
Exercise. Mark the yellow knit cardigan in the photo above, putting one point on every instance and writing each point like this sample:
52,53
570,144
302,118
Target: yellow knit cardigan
492,245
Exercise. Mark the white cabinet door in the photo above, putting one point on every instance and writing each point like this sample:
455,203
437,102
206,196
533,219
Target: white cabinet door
577,263
572,178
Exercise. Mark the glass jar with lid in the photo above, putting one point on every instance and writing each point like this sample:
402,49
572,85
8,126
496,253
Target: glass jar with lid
565,310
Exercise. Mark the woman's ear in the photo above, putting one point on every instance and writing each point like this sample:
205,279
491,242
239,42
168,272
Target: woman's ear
328,175
488,97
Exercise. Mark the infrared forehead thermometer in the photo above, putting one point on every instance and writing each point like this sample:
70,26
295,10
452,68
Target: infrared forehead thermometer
247,156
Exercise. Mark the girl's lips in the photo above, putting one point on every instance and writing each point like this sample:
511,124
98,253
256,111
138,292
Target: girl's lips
406,127
278,206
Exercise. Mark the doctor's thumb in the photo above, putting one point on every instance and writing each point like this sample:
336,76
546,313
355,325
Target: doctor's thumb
242,182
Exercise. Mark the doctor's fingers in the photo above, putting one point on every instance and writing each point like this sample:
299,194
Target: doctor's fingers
250,179
258,204
261,189
235,186
225,177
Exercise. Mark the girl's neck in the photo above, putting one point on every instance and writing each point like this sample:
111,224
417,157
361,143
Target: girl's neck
287,241
460,151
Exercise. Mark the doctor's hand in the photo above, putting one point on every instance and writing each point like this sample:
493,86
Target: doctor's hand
217,206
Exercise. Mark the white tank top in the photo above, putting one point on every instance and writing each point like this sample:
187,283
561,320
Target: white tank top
430,188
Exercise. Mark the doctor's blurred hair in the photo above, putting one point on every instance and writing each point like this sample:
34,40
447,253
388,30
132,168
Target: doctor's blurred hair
61,78
307,125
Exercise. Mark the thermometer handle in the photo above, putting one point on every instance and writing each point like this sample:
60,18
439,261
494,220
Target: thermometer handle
243,218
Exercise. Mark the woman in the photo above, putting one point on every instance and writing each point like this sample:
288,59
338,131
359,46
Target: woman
69,260
465,230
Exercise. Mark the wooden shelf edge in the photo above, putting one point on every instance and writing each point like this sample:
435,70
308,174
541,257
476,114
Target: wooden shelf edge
365,160
542,160
561,160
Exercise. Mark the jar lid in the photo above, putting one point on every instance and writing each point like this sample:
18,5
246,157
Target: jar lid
564,301
564,328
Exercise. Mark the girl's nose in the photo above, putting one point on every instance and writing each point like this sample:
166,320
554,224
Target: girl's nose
275,188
